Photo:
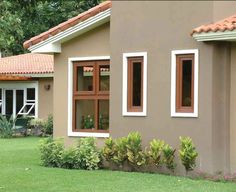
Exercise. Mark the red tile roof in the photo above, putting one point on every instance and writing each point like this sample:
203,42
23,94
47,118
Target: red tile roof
14,78
29,63
67,24
228,23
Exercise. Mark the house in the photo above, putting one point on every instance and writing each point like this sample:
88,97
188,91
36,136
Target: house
165,69
26,85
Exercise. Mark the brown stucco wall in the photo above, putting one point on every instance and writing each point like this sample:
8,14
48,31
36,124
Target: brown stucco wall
93,43
233,109
157,28
45,103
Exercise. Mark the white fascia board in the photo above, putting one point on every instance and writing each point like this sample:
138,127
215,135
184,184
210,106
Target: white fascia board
53,44
216,36
40,75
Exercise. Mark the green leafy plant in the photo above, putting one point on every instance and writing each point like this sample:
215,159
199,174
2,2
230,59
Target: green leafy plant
6,126
187,153
135,154
108,150
120,151
69,159
168,157
155,152
51,151
48,126
88,122
88,155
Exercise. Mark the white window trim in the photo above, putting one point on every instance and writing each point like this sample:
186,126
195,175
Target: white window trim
70,95
173,82
16,85
125,82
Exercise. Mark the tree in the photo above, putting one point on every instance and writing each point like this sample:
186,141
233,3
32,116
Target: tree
22,19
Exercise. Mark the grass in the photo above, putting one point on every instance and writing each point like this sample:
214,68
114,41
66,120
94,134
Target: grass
20,170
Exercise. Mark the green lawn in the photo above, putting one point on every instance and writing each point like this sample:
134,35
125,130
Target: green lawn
20,170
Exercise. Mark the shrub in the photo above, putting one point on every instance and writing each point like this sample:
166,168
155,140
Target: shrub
51,151
69,159
155,152
88,155
48,126
135,154
36,126
6,126
187,153
120,151
168,157
108,150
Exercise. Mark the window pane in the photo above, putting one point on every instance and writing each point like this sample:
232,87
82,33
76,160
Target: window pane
186,83
137,78
0,94
9,102
103,123
104,76
0,101
30,94
84,117
85,78
19,100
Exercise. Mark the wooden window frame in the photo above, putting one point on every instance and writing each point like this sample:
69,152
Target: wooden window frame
175,111
130,107
179,82
94,95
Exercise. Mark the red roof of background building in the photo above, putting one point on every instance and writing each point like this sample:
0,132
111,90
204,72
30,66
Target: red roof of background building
228,24
29,63
67,24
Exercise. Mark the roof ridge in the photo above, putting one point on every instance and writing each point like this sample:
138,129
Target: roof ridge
67,24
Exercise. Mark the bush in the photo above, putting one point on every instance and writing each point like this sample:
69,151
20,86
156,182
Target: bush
135,154
120,151
6,126
155,152
88,155
69,159
187,153
168,157
108,150
51,151
48,126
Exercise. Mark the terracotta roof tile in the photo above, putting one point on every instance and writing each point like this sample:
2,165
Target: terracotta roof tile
67,24
29,63
228,23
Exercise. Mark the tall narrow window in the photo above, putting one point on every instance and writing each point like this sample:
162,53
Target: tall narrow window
184,83
0,101
91,96
135,71
134,84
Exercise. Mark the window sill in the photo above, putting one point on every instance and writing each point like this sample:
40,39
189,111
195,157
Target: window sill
88,134
177,114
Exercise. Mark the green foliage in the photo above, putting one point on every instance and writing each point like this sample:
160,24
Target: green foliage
108,150
69,159
88,122
169,157
120,151
21,20
51,151
155,152
187,153
88,155
6,126
48,125
135,154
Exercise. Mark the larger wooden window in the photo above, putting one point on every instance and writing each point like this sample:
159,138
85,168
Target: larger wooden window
185,83
91,96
